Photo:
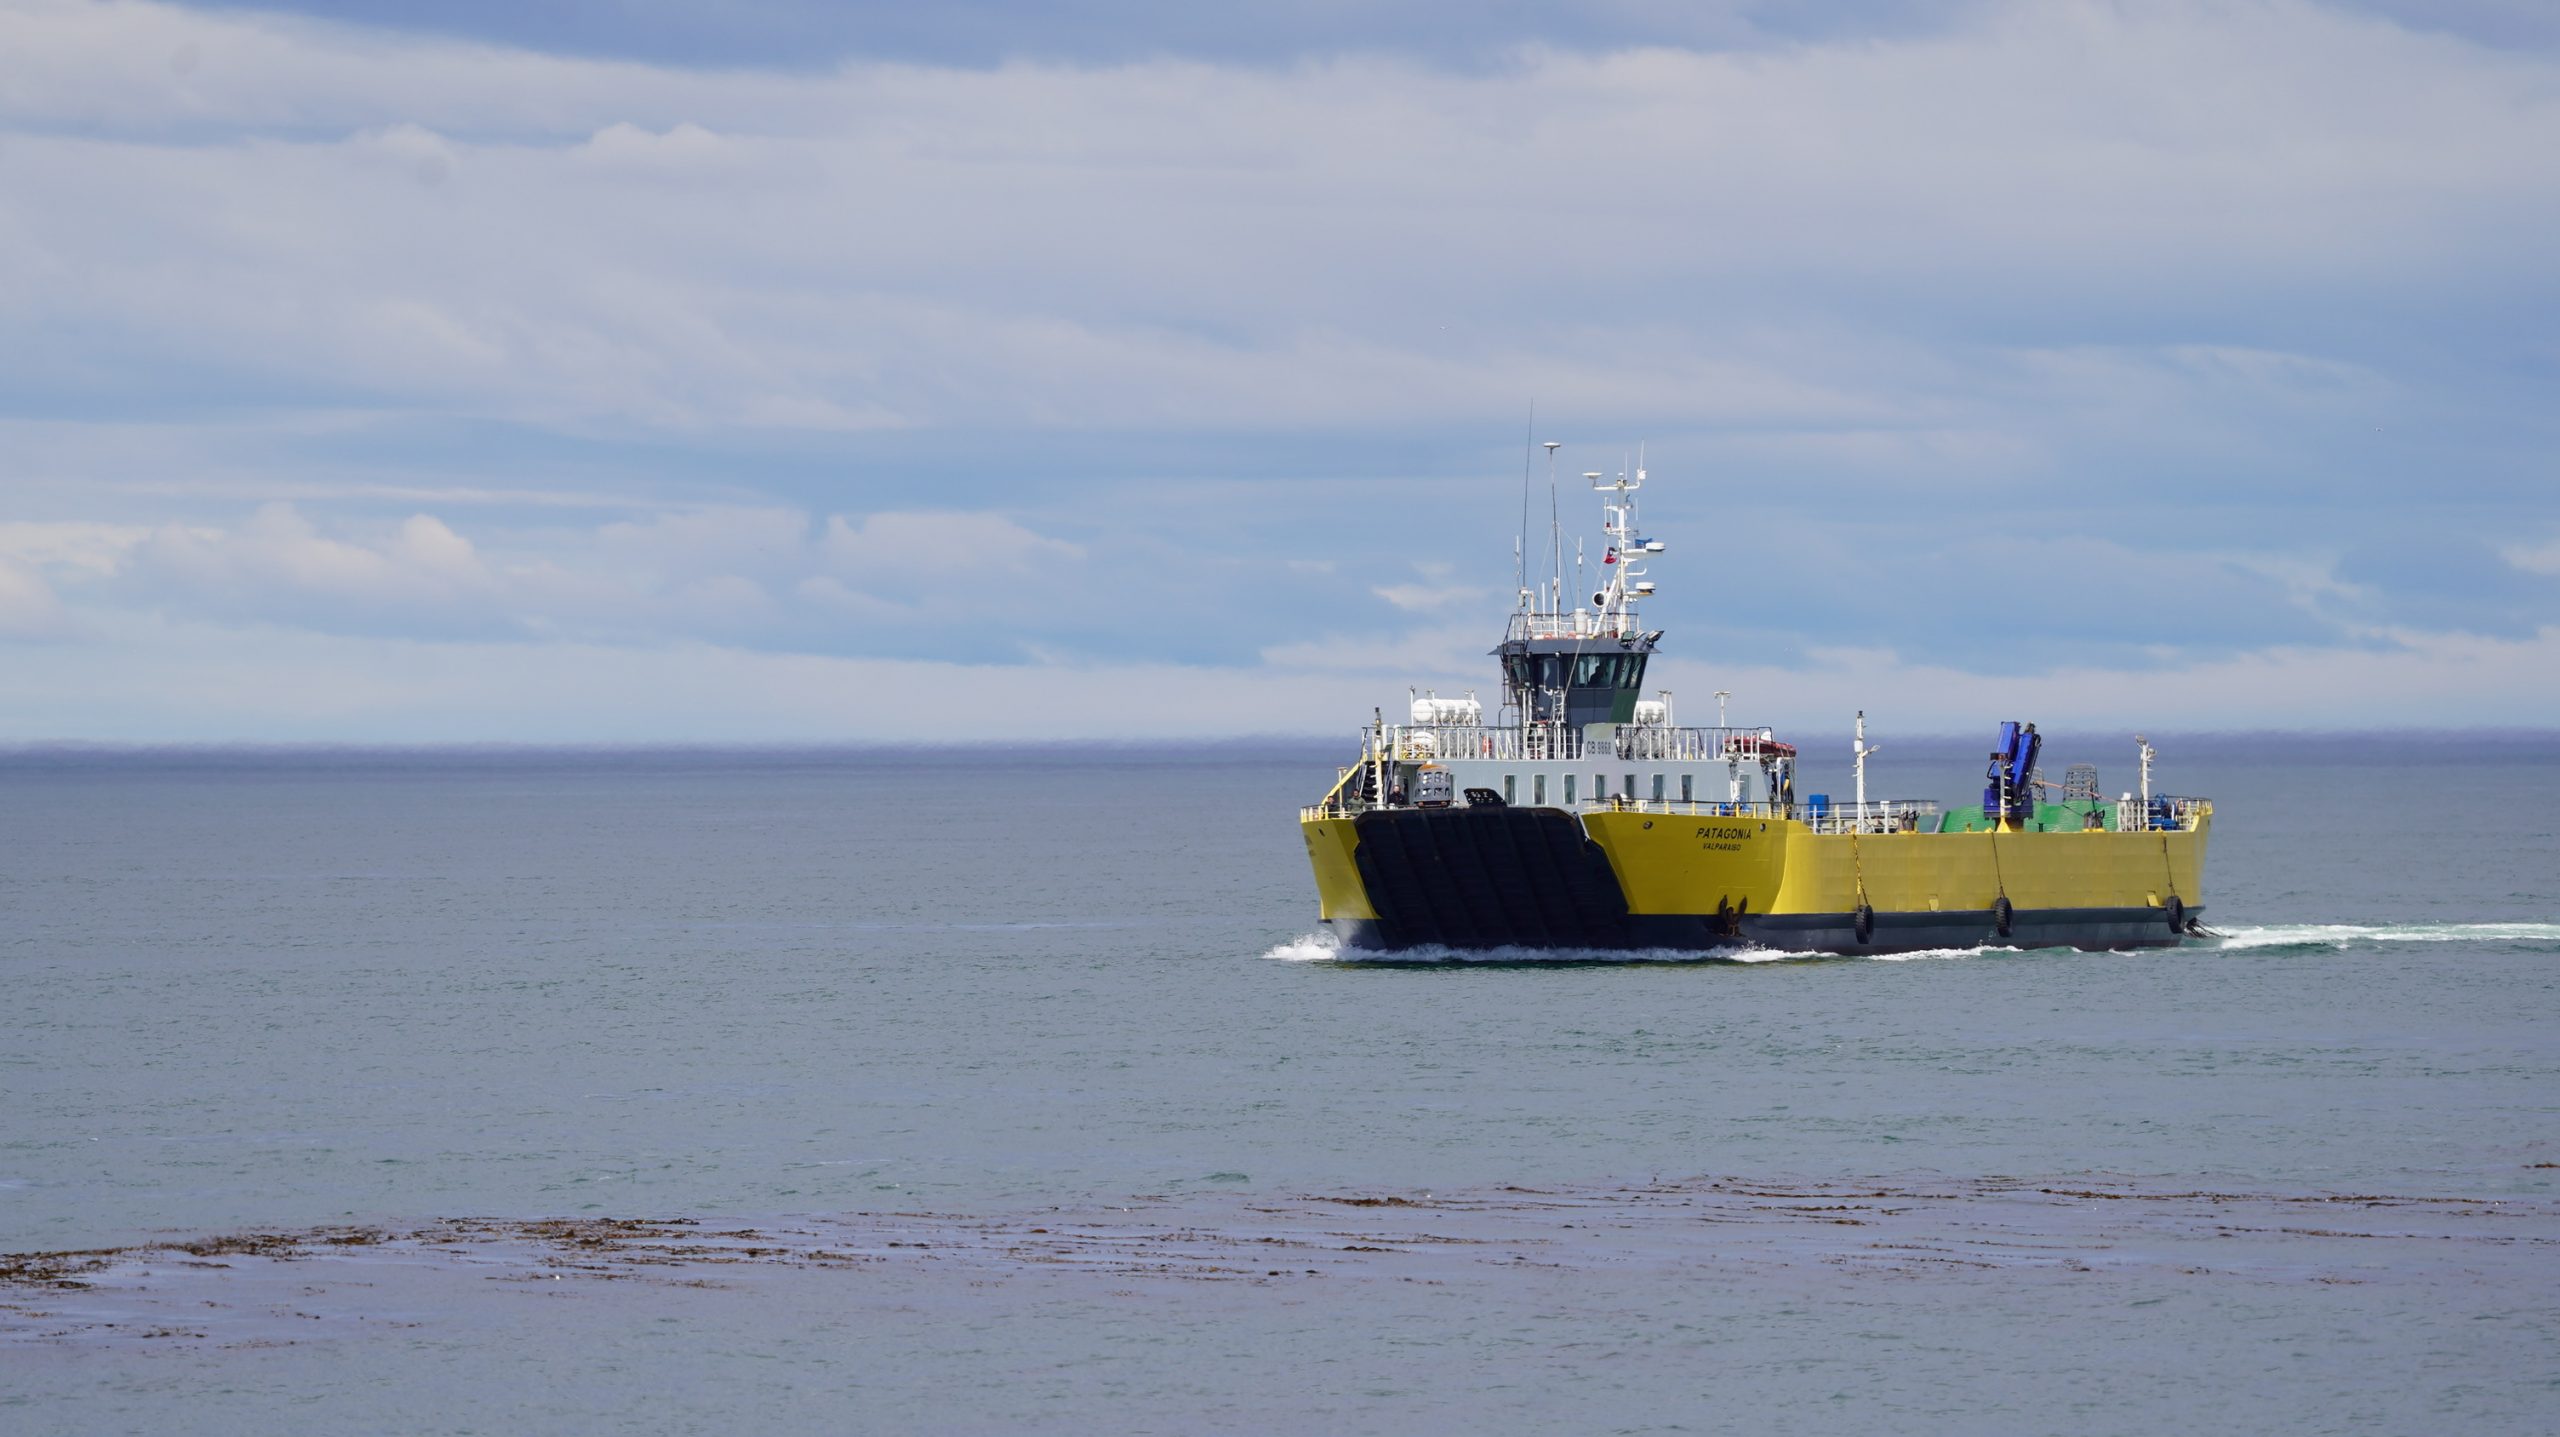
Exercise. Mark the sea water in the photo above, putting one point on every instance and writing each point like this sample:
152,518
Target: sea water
273,991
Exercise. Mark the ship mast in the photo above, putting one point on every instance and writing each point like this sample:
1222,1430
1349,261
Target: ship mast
1616,599
1863,751
1555,533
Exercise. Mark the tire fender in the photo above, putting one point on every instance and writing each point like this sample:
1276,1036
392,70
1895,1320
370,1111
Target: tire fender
2000,913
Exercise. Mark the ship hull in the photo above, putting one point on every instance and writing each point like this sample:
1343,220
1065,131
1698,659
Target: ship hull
1474,879
2090,929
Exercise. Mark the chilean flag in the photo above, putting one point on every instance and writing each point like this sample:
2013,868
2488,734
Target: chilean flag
1611,557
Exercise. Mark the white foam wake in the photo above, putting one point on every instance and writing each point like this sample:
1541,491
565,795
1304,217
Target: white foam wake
2348,935
1324,948
1307,948
1973,952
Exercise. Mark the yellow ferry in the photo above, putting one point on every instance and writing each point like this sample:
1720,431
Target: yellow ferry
1580,816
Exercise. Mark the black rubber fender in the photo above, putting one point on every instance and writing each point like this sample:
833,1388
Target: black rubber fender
2000,912
1866,923
2176,908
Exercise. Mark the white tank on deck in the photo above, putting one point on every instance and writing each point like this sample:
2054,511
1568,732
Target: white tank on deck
1652,711
1447,711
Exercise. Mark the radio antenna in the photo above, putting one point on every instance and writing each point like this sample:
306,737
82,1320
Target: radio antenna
1520,545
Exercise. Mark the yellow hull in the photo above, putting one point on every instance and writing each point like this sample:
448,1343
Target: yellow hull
1777,865
1682,878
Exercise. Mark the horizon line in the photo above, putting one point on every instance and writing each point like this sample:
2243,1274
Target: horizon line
38,747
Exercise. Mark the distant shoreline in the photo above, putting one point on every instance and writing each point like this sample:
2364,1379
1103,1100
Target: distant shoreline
2406,745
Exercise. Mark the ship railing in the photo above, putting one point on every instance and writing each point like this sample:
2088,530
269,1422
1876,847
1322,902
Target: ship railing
2165,812
1699,808
1892,815
1584,624
1341,801
1558,743
1897,815
1425,742
1665,742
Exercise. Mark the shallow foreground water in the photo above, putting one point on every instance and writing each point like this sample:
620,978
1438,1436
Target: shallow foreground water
419,1092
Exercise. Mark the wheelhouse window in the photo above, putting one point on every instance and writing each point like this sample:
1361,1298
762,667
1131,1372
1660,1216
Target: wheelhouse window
1607,671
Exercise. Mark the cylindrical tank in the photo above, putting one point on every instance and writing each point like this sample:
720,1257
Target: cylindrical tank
1447,711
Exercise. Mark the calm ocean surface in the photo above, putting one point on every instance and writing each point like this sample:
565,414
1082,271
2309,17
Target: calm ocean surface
276,991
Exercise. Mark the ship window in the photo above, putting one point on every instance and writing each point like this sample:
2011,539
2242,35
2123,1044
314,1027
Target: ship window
1551,671
1688,791
1599,787
1657,788
1538,788
1568,788
1511,788
1631,787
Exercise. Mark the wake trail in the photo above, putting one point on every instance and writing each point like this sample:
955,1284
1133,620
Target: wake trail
2342,936
2332,937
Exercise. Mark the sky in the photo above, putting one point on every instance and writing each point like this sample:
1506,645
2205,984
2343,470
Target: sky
632,371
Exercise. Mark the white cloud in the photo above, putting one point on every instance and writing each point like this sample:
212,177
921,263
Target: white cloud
28,608
711,540
762,575
2543,558
82,547
187,681
280,551
1423,598
830,595
2467,679
2151,287
453,227
952,546
1448,655
685,145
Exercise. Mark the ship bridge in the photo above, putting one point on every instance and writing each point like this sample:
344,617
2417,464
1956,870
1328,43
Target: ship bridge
1572,668
1574,674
